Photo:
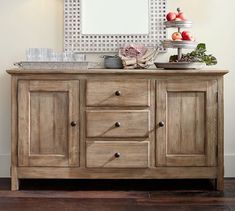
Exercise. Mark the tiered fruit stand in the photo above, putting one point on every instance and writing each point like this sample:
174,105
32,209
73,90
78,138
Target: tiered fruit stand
179,44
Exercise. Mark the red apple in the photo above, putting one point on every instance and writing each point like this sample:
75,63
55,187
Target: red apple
171,16
186,35
176,36
181,15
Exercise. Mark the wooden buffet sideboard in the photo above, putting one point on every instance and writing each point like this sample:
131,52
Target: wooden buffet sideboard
117,124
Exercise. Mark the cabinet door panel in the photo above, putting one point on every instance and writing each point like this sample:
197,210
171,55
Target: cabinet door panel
189,112
186,123
46,124
46,109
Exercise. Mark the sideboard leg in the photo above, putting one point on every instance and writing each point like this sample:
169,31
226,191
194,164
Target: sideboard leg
14,134
14,184
213,183
220,184
220,173
14,179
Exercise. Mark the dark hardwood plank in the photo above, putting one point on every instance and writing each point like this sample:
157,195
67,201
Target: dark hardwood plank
5,184
124,195
97,204
75,194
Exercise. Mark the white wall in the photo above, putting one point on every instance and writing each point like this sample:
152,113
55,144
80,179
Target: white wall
39,23
23,24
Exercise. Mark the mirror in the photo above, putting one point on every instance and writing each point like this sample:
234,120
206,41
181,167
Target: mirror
112,17
106,25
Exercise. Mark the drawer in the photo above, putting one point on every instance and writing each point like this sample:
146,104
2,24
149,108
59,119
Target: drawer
118,93
120,124
117,155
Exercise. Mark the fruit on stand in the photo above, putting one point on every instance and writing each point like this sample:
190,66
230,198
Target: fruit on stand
180,15
184,40
171,16
186,35
176,36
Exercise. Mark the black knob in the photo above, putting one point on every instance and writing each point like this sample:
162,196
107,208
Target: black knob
73,124
161,124
117,93
117,155
117,124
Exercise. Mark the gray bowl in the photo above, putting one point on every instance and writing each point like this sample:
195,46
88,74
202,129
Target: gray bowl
113,62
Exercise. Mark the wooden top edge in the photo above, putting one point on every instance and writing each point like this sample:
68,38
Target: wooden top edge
121,71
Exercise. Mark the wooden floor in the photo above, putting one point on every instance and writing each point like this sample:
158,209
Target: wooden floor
104,195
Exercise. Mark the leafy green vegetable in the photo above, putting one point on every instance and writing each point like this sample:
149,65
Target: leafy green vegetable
198,55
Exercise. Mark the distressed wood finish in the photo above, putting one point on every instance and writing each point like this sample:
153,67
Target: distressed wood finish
189,112
117,155
14,135
129,124
189,145
130,73
130,93
45,109
184,138
118,173
220,159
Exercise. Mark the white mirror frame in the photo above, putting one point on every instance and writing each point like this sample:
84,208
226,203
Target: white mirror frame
75,41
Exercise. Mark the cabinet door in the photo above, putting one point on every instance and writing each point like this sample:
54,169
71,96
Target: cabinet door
186,123
47,115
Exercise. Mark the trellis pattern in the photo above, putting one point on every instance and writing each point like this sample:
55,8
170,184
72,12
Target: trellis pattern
75,41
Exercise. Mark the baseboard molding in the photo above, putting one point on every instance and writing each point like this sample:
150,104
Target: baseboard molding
229,161
5,161
229,165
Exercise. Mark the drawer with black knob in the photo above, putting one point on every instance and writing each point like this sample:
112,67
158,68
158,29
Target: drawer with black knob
118,93
117,123
117,154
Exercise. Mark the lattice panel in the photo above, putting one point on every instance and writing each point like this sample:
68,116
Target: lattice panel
75,41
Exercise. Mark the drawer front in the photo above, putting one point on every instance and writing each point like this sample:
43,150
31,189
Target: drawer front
118,93
117,155
120,124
